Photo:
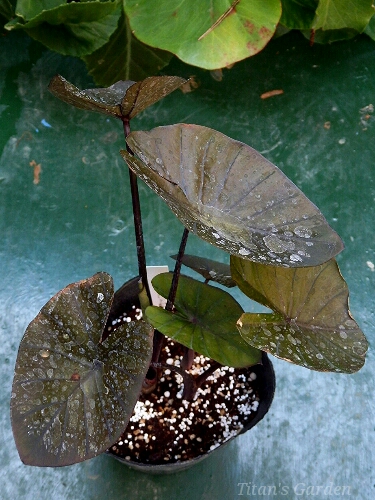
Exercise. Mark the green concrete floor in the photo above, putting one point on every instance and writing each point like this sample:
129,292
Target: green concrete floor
77,221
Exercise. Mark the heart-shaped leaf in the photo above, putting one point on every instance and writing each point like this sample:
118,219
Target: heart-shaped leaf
209,34
311,325
209,269
122,99
228,194
73,28
72,394
205,321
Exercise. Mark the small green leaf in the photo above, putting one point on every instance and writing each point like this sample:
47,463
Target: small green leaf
229,195
125,58
6,9
28,9
341,14
370,28
72,394
209,269
122,99
238,29
74,28
311,325
298,14
205,321
330,36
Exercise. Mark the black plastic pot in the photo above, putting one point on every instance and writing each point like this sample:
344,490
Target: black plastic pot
125,298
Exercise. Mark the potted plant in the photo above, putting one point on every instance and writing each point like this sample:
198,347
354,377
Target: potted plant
98,370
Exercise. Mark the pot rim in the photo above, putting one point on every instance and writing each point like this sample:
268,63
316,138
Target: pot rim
267,388
126,295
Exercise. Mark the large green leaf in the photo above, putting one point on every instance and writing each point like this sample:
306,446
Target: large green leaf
72,394
211,270
342,14
177,26
74,29
122,99
311,325
125,58
205,321
231,196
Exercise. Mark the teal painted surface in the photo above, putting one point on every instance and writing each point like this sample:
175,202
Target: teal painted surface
77,221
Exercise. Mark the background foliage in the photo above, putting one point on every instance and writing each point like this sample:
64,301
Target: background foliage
129,39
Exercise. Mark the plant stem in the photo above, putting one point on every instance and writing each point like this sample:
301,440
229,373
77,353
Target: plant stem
190,387
204,376
176,272
188,355
141,254
157,346
187,358
191,383
159,337
151,377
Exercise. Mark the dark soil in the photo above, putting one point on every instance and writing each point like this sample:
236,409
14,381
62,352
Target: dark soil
165,428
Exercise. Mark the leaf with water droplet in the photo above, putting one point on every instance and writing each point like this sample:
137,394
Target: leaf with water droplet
73,393
228,194
143,94
122,99
311,325
211,270
204,320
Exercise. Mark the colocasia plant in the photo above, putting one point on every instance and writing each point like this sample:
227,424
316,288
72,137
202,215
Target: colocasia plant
91,356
